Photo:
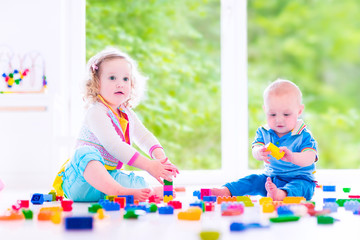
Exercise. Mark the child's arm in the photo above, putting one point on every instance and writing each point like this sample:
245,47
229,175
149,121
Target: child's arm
155,168
302,159
260,153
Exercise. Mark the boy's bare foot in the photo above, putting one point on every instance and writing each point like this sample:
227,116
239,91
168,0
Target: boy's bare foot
273,192
224,191
139,194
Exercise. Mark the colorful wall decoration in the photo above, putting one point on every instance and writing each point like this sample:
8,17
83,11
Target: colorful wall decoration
21,73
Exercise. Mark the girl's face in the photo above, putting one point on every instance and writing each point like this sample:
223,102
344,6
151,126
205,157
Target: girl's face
282,112
115,81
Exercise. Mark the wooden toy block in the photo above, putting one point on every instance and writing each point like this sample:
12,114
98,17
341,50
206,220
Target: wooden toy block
275,151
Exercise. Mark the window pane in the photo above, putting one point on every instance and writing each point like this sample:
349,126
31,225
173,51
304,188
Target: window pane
177,45
315,44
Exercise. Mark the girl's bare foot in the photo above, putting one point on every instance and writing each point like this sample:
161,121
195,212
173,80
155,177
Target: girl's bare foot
273,192
224,191
139,194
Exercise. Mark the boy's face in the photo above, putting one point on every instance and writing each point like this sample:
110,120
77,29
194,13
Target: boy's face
282,112
115,84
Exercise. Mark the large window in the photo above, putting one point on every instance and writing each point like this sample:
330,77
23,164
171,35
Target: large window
316,44
176,44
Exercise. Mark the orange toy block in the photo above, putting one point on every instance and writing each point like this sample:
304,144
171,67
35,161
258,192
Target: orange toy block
192,214
12,215
268,207
275,151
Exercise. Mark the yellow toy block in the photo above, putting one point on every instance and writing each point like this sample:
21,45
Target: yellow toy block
56,217
268,207
168,198
264,200
275,151
192,214
293,199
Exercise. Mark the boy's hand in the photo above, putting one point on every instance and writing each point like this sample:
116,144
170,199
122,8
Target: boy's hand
289,155
161,171
261,154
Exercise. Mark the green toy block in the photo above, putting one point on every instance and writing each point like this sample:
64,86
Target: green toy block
28,214
130,214
166,182
285,218
346,190
325,220
94,208
153,207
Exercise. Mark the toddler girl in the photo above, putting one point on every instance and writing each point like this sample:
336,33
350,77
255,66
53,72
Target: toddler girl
113,87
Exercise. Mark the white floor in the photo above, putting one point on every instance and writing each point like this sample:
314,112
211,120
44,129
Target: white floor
155,226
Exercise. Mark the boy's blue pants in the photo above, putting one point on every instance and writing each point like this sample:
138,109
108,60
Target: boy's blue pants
255,185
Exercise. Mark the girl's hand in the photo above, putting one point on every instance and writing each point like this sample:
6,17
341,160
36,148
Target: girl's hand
261,154
161,171
289,155
166,161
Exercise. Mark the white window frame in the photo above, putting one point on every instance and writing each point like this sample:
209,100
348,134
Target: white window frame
234,101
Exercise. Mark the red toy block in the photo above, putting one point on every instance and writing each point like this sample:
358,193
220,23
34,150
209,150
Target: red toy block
209,207
23,203
154,199
59,198
354,196
205,192
67,205
121,201
175,204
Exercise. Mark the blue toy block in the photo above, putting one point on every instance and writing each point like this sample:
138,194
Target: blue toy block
351,205
325,200
332,206
168,193
197,204
237,227
135,207
329,188
129,199
110,206
48,197
37,198
78,223
284,210
209,198
197,194
166,210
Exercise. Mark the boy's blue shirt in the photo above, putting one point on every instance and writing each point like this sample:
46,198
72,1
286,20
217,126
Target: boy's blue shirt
298,140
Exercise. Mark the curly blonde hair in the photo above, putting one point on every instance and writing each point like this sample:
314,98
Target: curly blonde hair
92,83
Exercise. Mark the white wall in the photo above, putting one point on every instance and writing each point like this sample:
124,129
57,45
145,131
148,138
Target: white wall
34,143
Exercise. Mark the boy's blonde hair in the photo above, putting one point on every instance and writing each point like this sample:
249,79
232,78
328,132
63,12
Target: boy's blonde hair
282,86
92,85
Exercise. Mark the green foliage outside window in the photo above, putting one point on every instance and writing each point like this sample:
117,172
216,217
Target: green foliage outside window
177,45
316,44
